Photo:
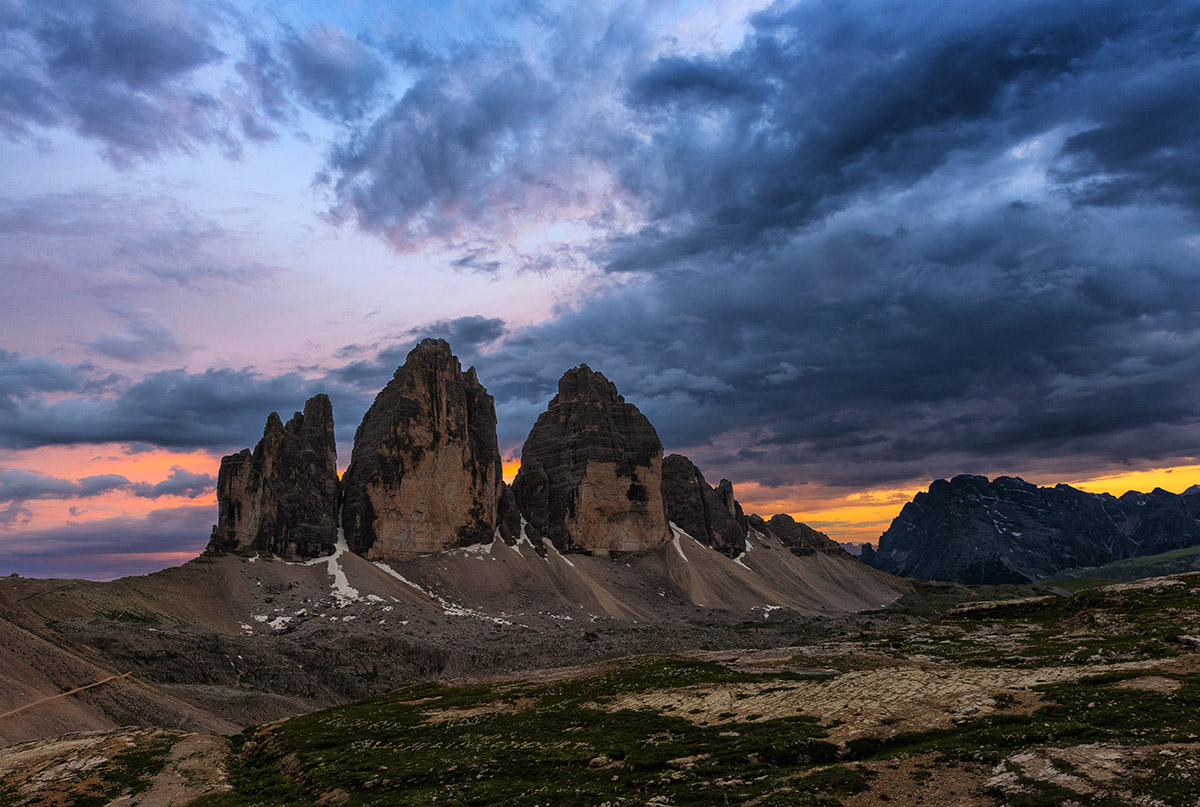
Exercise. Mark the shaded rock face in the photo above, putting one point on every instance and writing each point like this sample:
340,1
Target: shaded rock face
282,498
591,471
800,538
425,470
710,515
971,530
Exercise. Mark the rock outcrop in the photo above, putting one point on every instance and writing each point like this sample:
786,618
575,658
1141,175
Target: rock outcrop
591,471
971,530
281,498
710,515
425,470
801,539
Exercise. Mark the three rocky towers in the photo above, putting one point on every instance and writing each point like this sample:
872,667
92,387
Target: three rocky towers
425,476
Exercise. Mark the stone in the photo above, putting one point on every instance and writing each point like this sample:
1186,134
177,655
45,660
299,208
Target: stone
425,471
710,515
281,498
591,471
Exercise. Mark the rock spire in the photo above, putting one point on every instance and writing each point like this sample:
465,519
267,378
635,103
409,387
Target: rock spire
591,471
281,498
425,470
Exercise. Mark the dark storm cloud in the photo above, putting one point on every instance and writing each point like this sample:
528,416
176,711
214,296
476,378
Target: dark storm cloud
24,377
893,348
335,74
217,409
180,482
120,73
825,102
146,78
111,547
490,133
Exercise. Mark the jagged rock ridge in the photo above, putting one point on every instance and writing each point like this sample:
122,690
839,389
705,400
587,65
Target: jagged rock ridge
971,530
425,471
710,515
591,471
798,537
282,498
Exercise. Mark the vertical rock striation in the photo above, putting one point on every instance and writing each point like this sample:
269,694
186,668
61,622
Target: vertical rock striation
282,498
710,515
425,470
591,471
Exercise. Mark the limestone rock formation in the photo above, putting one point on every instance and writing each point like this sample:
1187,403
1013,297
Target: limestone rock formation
800,538
710,515
282,498
425,470
971,530
591,471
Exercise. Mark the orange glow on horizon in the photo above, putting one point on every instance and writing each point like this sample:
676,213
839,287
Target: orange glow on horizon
79,461
510,468
863,516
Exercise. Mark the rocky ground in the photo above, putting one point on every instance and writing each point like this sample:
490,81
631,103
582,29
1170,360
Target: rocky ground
1084,698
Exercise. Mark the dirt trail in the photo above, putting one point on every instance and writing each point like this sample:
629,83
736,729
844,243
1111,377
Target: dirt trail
32,704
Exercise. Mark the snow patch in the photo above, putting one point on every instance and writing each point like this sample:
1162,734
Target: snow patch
550,547
343,592
479,549
448,608
279,622
675,533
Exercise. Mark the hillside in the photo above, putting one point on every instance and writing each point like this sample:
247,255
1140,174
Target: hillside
1090,698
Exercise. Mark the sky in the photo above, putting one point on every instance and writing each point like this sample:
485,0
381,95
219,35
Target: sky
833,249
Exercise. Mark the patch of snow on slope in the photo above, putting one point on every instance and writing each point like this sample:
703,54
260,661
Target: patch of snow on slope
738,560
479,549
343,592
550,547
448,608
675,533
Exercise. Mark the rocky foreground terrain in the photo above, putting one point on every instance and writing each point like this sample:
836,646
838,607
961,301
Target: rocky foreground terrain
1054,698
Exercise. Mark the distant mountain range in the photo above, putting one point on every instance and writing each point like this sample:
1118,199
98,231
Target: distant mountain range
972,530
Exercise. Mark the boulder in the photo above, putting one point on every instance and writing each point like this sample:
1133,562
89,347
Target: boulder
281,498
425,471
591,471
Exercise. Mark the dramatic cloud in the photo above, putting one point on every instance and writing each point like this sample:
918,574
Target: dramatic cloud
216,409
493,135
120,73
335,74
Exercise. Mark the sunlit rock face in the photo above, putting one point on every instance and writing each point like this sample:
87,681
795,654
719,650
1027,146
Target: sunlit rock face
591,471
281,498
425,471
710,515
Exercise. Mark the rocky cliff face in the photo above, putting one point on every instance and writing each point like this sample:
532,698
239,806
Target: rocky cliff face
425,471
282,498
800,538
591,471
1008,531
710,515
